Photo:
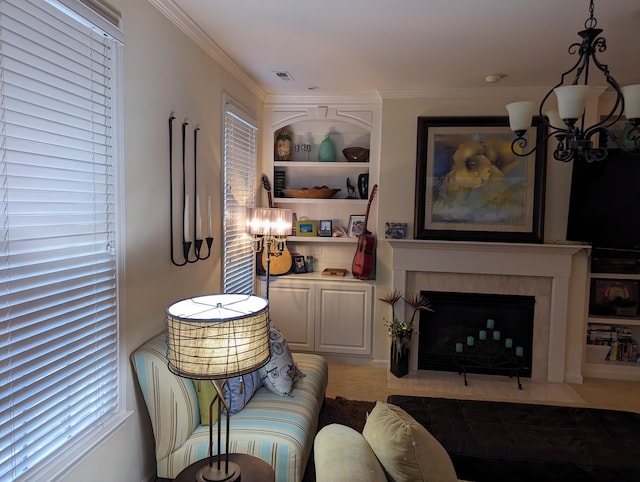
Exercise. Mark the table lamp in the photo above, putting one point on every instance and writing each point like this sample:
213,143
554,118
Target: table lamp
215,337
270,226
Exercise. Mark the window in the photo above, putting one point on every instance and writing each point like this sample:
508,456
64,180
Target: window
59,362
239,192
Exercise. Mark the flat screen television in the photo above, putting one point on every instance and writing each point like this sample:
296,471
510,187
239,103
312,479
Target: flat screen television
604,207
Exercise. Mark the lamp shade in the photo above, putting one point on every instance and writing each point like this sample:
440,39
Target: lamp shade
572,100
268,221
520,114
631,94
217,336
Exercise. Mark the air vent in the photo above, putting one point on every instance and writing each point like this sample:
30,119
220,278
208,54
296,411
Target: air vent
282,75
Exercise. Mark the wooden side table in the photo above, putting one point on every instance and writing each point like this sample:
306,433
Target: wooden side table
253,469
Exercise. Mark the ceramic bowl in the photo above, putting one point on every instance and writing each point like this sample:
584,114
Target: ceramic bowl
359,154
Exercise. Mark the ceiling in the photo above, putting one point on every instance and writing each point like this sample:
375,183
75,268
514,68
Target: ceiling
390,47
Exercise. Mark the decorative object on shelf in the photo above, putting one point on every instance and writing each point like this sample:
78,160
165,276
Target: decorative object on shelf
306,227
316,192
303,146
270,228
395,230
189,232
216,337
327,151
356,154
279,255
471,187
567,123
341,272
326,228
284,142
613,297
401,332
298,264
356,225
351,189
363,259
310,264
363,185
279,182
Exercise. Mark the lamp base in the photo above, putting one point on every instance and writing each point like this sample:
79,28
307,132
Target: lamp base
210,473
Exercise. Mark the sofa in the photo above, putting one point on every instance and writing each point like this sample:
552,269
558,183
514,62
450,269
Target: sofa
278,429
392,447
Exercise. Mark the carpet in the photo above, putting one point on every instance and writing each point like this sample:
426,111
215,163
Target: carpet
352,413
493,441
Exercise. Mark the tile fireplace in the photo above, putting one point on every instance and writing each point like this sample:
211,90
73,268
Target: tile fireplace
553,274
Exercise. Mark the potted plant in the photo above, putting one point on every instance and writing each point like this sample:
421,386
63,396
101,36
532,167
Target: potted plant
400,332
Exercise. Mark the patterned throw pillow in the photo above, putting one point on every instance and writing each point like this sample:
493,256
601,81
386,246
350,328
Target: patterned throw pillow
280,372
239,390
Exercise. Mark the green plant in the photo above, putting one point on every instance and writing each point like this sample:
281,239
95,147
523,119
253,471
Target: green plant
401,331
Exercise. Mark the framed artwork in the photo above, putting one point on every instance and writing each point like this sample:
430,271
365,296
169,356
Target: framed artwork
305,227
613,297
470,186
298,264
356,224
326,228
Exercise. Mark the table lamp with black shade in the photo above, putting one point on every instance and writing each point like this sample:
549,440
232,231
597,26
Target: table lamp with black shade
215,337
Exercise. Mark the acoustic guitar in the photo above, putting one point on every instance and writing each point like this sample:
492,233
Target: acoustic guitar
280,261
363,259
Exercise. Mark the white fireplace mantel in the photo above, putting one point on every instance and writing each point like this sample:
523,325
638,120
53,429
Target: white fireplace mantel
554,261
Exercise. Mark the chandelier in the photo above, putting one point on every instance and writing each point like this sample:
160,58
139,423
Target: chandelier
567,123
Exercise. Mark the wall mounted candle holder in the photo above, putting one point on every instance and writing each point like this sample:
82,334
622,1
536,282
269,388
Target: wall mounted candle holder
191,235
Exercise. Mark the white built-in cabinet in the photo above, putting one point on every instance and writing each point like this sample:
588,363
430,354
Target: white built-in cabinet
317,313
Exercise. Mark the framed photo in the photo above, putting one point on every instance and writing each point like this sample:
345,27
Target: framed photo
356,225
298,264
326,228
470,186
613,297
396,231
305,227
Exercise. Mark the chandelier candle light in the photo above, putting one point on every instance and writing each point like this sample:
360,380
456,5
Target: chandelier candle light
215,337
567,123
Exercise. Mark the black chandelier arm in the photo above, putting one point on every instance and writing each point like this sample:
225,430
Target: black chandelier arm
521,143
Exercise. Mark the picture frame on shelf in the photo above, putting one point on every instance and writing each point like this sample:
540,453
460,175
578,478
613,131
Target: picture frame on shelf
306,227
613,297
298,265
470,186
325,228
356,225
395,230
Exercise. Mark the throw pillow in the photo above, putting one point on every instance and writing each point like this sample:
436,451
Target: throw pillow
206,391
239,390
405,449
281,371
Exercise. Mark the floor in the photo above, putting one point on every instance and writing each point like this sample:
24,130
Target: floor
359,382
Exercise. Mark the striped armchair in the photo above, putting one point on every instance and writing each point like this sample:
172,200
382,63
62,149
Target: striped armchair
277,429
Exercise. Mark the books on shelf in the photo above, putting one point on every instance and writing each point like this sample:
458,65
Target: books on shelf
619,338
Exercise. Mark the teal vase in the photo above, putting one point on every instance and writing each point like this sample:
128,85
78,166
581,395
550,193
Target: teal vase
327,151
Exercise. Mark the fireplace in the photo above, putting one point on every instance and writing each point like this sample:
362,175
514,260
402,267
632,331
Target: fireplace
472,321
554,274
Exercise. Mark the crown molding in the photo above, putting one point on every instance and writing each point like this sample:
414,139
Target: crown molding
328,98
181,20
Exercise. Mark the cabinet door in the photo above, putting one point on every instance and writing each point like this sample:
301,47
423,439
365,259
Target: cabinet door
291,307
343,319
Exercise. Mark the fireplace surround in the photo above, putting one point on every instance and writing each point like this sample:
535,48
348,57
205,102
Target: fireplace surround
555,274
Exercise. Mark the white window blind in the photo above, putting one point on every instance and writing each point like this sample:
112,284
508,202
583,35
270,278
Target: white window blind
239,192
58,316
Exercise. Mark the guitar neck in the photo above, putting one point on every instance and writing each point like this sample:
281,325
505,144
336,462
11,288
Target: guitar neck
366,217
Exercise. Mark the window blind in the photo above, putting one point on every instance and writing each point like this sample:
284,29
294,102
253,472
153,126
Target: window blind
58,315
239,192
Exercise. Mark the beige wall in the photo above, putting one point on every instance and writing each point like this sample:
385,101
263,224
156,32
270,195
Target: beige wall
164,71
397,180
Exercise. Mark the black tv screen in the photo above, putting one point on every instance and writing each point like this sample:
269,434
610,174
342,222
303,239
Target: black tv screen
604,207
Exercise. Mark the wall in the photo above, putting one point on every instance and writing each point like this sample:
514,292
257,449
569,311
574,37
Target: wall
164,71
397,177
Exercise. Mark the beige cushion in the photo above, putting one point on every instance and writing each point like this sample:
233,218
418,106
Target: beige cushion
406,450
343,455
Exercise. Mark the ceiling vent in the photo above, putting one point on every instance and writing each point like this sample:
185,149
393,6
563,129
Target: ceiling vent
282,75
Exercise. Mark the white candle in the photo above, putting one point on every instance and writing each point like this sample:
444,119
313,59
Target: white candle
186,236
209,217
198,218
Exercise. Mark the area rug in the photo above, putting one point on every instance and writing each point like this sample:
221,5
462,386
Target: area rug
490,441
352,413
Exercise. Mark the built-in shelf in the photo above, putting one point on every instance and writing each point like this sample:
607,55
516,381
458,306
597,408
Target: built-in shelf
325,202
328,164
322,239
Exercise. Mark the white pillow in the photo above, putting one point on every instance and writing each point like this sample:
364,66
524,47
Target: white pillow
280,372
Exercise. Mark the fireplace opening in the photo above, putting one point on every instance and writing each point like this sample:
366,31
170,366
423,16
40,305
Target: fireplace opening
462,322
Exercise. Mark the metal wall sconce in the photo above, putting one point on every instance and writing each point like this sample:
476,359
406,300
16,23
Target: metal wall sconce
191,226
